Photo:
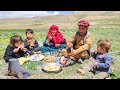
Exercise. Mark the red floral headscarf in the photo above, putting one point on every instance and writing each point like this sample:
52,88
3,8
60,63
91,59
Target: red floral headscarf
58,37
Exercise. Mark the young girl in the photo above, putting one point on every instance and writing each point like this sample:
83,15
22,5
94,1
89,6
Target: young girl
54,40
30,43
15,49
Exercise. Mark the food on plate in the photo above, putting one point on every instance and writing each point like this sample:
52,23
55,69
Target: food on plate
51,68
38,52
49,58
36,57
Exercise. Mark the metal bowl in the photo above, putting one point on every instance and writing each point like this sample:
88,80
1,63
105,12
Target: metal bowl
50,64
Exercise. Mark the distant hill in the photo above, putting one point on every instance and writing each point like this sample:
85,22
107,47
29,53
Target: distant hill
97,19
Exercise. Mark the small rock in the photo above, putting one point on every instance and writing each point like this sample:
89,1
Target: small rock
81,71
107,78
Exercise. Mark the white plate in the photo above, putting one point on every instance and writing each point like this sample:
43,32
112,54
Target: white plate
32,57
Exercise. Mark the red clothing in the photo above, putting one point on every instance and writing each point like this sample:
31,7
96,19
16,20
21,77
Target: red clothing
58,37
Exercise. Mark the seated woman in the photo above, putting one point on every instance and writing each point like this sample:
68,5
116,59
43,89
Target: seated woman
54,40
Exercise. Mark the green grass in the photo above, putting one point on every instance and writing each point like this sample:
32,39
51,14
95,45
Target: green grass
69,72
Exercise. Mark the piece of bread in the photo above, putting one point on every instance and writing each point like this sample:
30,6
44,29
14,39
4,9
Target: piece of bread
49,58
63,51
22,60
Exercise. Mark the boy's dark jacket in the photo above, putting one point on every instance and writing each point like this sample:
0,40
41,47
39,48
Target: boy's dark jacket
33,49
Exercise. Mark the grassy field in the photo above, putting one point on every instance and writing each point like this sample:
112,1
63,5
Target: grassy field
103,24
69,72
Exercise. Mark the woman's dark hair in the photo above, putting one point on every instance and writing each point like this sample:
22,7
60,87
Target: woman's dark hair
29,30
14,39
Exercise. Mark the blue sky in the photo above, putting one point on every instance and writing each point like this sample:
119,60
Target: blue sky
16,14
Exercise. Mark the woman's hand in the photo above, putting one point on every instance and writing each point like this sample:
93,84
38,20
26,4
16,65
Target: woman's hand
47,41
50,37
57,45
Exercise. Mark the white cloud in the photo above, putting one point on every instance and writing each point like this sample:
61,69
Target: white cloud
15,14
56,13
76,11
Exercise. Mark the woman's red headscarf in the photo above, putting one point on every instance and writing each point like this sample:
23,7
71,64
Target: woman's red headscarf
58,37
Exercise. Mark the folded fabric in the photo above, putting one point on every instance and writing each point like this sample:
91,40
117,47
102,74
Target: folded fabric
22,60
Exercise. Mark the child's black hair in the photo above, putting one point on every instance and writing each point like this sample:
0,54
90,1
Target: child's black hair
29,30
14,39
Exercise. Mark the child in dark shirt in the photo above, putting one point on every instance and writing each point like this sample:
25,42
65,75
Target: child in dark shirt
31,43
15,49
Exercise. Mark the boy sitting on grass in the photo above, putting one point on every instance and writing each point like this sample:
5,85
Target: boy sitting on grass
103,60
30,42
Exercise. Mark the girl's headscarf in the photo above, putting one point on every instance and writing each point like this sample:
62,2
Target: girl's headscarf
58,37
